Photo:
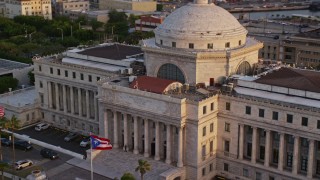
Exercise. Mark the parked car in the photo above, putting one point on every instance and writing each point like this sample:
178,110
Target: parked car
41,126
48,153
71,136
22,164
5,142
85,142
23,145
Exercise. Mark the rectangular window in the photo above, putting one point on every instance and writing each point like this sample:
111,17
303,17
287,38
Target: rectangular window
191,46
65,73
258,176
211,127
225,167
211,146
210,46
203,171
40,69
210,167
318,124
58,72
304,121
248,110
74,75
261,113
204,109
239,42
204,131
227,127
245,172
90,78
226,146
212,107
228,106
174,44
161,42
289,118
40,84
227,45
98,78
275,115
204,151
51,70
81,76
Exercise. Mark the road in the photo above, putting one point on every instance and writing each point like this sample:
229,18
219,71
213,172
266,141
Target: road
55,169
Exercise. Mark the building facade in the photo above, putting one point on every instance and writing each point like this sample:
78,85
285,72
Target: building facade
144,6
28,8
65,7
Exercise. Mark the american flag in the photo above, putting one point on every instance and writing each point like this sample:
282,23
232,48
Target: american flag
1,111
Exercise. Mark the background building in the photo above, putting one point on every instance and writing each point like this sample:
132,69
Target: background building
64,7
16,70
28,8
148,23
146,6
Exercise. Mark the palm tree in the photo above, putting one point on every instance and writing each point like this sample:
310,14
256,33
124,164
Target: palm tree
3,165
3,122
13,123
143,167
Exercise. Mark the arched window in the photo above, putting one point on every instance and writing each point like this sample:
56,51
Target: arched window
172,72
244,68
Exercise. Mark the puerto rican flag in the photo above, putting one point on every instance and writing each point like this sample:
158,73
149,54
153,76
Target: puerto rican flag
100,143
1,111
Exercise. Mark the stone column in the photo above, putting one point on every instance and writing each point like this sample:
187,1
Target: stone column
135,129
146,137
87,104
311,158
105,124
95,101
254,145
71,100
115,129
281,152
57,97
168,153
241,141
180,148
157,154
267,148
296,154
50,94
80,102
125,132
65,108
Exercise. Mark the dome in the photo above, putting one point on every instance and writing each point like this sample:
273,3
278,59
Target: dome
201,25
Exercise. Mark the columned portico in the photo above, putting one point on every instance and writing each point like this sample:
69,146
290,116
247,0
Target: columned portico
87,105
281,152
50,94
241,141
267,148
65,108
254,145
180,148
72,99
168,153
79,102
296,154
311,158
57,97
125,132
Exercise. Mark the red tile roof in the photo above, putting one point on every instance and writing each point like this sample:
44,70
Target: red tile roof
151,84
293,78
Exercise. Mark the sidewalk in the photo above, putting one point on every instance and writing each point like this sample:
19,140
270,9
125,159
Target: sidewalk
115,163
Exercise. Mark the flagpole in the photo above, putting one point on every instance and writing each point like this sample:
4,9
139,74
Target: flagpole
91,165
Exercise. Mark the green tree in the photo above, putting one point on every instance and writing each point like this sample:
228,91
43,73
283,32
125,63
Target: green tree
132,20
159,7
13,124
96,24
8,82
115,17
3,124
143,167
128,176
31,77
3,165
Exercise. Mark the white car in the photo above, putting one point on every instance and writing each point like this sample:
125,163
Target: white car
22,164
85,142
41,126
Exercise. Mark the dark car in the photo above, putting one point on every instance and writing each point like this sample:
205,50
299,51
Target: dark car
23,145
48,153
5,142
71,136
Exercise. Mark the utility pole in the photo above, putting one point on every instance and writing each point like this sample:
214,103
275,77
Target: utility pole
61,33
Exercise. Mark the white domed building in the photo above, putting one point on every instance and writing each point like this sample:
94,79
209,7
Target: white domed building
199,42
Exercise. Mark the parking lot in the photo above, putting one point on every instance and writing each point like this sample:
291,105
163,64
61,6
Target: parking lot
55,137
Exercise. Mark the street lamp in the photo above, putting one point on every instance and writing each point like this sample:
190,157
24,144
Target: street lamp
30,35
61,33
